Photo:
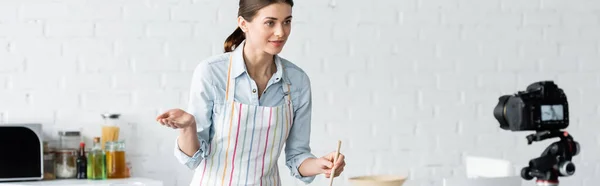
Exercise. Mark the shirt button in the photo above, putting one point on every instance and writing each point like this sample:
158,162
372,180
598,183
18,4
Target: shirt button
253,90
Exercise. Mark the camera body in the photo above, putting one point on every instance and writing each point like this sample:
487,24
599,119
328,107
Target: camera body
542,106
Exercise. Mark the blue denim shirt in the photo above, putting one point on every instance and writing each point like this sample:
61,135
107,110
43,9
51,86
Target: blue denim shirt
207,92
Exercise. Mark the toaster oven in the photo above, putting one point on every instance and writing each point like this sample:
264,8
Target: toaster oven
21,152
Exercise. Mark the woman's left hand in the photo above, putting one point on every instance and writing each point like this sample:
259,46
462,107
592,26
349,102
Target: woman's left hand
338,165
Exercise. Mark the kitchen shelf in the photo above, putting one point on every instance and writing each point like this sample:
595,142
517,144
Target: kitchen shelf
76,182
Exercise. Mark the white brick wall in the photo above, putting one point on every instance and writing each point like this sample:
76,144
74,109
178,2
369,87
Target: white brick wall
424,74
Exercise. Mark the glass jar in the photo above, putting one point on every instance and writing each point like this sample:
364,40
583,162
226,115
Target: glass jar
110,128
49,170
65,163
69,139
116,165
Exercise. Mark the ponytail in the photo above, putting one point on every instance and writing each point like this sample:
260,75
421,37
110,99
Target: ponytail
234,40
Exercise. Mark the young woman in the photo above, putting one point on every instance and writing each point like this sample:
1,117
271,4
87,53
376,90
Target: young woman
248,105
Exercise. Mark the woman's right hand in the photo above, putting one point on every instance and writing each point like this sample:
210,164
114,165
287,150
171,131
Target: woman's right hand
176,118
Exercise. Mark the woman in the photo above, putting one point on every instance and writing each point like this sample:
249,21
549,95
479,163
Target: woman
246,105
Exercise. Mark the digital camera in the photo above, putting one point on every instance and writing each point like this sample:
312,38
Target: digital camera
543,106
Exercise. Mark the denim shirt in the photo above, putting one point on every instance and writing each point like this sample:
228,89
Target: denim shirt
207,94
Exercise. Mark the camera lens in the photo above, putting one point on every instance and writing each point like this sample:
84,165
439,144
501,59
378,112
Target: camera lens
567,168
500,112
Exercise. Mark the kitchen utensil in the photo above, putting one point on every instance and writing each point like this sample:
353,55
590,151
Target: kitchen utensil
337,154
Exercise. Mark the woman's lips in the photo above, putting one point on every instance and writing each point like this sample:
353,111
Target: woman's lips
277,43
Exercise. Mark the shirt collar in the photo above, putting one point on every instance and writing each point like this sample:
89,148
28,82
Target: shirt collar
239,67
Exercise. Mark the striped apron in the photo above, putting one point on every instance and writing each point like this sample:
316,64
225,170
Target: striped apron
247,142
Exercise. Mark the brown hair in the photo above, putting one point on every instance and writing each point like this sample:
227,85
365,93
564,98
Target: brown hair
248,9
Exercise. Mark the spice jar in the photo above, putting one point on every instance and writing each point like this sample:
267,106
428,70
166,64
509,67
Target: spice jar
66,166
49,170
69,139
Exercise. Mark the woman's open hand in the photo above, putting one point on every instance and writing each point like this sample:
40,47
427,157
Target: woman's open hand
176,118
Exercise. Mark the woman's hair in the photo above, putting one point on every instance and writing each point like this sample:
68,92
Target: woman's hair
248,9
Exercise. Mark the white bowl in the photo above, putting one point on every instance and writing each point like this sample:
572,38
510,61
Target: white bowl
377,180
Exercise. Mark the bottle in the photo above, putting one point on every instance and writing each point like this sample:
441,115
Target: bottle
81,162
110,129
97,161
116,164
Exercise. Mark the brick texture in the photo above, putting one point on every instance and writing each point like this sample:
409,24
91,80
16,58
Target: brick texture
409,86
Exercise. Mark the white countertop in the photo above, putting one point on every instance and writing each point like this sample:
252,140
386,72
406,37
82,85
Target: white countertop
76,182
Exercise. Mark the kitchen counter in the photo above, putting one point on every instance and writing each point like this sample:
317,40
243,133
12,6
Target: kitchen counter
76,182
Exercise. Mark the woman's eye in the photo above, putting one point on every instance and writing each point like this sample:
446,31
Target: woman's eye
288,22
269,23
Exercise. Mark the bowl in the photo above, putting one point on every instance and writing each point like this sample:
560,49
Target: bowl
377,180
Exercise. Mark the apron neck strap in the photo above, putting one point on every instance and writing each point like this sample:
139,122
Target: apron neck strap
230,90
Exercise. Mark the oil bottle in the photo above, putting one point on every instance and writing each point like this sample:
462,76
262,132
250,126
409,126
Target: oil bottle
96,169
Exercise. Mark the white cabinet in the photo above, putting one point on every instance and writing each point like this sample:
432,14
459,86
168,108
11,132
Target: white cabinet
75,182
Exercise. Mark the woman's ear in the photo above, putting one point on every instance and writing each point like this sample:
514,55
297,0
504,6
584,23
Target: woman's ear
242,23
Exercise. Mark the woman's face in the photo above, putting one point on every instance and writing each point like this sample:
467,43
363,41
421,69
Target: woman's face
269,29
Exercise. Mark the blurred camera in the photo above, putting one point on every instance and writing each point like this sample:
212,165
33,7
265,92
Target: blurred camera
542,106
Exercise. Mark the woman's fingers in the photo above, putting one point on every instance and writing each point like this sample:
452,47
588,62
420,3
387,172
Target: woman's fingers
178,125
340,165
172,124
338,172
340,159
163,115
166,122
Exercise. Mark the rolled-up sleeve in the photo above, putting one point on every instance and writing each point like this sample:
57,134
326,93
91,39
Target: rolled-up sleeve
298,143
200,106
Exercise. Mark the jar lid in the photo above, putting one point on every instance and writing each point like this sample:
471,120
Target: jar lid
69,133
111,115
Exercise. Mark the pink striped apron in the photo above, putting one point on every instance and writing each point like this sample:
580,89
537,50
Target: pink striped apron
247,142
